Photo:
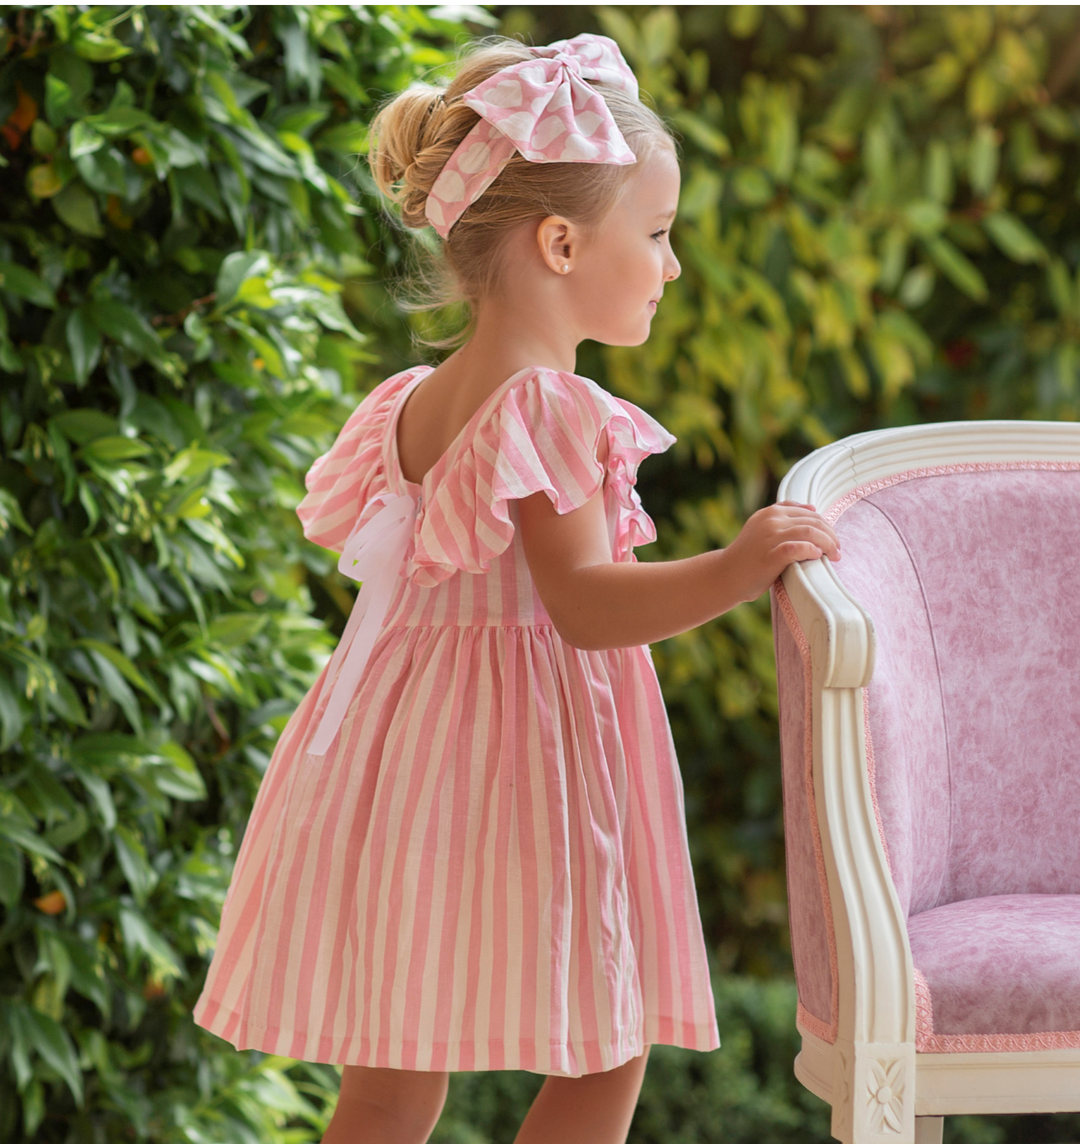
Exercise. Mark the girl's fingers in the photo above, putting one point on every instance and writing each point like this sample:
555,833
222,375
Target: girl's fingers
822,538
807,551
806,524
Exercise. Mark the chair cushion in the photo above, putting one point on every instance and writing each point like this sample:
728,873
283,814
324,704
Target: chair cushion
999,973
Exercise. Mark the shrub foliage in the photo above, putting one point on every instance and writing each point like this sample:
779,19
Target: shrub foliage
181,207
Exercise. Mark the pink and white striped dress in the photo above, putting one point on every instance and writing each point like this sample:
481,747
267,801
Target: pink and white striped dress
488,869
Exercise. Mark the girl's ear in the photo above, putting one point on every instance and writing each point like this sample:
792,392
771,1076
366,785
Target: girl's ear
558,241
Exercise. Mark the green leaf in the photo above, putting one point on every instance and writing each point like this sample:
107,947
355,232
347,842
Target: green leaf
11,873
743,20
11,514
939,181
76,207
42,181
236,628
126,326
51,1042
142,940
122,664
192,463
960,270
235,268
345,139
84,140
983,159
90,506
198,186
1013,238
20,1046
99,791
111,450
103,170
88,977
59,100
70,830
83,425
26,284
181,780
42,137
1060,286
98,46
131,852
11,714
925,217
119,121
84,342
752,186
112,679
66,703
707,137
253,292
22,836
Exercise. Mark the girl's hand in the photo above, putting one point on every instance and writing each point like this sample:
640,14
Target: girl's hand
773,538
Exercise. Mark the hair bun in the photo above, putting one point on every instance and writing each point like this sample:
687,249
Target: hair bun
415,134
401,133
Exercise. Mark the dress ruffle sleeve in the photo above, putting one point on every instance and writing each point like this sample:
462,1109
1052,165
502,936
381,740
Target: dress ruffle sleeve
339,484
542,436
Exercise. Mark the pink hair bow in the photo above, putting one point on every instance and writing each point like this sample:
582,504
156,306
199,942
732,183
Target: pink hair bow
542,108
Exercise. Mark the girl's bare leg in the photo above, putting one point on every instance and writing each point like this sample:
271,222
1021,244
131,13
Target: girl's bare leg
386,1106
593,1109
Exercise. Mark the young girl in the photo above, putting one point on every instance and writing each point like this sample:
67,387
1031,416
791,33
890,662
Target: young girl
469,850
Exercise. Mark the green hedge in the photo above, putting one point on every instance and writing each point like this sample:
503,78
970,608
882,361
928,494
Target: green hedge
183,203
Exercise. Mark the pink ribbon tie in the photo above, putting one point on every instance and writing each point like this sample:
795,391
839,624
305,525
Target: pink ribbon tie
542,108
373,554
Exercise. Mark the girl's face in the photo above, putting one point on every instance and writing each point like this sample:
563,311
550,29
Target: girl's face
619,270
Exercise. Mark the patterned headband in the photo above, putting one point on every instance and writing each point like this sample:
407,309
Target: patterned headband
542,108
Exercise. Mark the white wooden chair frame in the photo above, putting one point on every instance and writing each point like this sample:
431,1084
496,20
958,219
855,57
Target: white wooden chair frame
873,1061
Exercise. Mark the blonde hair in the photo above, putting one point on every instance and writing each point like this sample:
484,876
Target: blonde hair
418,130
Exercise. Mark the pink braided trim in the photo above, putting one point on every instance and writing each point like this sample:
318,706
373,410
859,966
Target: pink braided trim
806,1020
924,1014
815,1025
834,511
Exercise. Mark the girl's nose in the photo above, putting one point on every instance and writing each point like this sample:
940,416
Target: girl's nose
673,269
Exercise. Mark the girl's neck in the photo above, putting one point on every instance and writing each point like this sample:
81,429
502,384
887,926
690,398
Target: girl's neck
509,337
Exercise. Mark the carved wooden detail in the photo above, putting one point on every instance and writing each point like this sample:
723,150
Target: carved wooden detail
885,1090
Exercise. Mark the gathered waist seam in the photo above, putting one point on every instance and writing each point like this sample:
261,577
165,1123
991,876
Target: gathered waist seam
437,627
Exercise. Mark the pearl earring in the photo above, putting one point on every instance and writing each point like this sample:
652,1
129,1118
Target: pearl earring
566,267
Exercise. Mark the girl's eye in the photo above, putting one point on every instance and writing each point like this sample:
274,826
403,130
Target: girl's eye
659,234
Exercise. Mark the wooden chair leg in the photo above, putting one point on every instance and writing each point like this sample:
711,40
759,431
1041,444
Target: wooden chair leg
928,1129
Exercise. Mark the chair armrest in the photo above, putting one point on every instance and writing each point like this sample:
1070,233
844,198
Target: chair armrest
840,633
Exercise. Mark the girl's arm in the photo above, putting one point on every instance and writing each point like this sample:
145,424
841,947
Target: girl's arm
595,603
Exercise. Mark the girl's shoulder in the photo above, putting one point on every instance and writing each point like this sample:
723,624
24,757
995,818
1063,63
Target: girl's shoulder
567,416
543,430
345,478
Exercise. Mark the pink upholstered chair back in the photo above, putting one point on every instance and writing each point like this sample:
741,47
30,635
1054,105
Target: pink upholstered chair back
972,579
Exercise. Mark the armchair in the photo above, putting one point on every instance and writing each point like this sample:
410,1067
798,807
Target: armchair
930,735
